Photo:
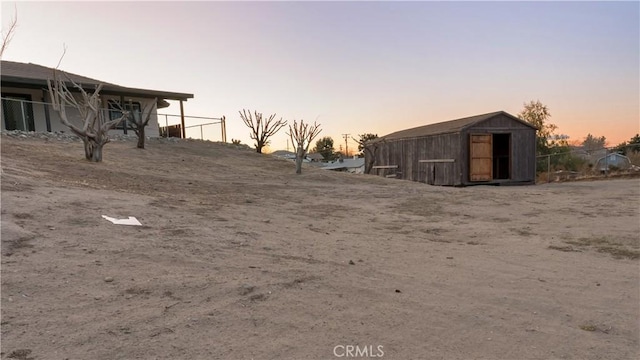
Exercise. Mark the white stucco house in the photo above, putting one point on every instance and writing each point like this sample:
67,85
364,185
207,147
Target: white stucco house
25,99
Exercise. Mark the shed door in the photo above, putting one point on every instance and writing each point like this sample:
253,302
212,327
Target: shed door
480,159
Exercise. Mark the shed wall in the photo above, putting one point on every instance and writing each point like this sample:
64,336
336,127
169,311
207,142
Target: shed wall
523,150
407,153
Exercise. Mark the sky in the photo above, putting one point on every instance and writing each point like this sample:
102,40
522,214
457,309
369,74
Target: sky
354,67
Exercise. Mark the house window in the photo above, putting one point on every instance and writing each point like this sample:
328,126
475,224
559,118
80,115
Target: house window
134,108
17,112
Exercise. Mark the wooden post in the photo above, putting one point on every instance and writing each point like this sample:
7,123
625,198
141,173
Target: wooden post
184,133
124,122
224,129
47,117
548,168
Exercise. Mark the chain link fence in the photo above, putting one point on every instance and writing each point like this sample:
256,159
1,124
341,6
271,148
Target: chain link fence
583,164
196,127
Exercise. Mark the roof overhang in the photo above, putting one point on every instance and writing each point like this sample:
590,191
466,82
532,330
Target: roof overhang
107,89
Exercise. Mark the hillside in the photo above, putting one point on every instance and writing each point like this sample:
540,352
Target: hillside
240,258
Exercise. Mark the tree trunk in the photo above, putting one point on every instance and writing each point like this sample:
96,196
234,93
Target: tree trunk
92,150
88,149
372,155
140,133
97,153
299,157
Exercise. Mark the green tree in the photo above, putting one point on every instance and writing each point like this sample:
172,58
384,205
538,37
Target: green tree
324,146
363,138
537,114
629,147
592,143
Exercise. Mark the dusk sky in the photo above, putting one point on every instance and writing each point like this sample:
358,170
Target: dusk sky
355,67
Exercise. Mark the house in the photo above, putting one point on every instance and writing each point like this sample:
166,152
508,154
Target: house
613,160
494,148
315,157
590,156
289,155
355,165
25,99
284,154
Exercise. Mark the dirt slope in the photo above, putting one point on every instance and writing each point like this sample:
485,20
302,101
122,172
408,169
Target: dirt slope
239,258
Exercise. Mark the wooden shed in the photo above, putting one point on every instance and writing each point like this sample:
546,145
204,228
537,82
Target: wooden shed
494,148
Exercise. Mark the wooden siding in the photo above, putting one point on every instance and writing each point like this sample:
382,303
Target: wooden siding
407,153
453,154
480,157
523,151
502,122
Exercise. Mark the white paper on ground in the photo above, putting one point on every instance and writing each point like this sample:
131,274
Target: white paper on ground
130,221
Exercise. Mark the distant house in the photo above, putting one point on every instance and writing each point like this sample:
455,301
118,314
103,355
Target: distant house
25,99
591,156
290,155
284,154
613,160
315,157
355,165
494,148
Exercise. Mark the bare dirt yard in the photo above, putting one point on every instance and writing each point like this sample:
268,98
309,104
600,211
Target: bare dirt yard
239,258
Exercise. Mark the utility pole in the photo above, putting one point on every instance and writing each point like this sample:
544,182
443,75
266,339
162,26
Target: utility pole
346,144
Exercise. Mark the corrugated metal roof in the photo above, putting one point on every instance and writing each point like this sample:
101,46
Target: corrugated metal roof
37,75
452,126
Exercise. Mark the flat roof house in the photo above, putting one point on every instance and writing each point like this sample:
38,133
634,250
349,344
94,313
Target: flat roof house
25,99
494,148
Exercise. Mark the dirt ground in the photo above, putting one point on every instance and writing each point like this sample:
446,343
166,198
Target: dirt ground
239,258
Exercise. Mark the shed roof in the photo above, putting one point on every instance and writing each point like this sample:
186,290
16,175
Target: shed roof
36,76
451,126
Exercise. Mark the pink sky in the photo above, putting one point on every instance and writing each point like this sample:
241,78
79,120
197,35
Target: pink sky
356,67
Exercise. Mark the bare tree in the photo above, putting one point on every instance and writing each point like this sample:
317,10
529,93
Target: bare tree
301,137
261,129
140,120
8,34
95,127
371,151
368,144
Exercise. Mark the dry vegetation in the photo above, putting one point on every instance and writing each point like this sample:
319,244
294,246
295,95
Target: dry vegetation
229,265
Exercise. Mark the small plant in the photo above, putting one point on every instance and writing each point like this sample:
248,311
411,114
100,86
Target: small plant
235,141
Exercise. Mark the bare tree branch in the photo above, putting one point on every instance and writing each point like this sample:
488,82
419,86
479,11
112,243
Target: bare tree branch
301,137
261,129
8,35
95,127
139,123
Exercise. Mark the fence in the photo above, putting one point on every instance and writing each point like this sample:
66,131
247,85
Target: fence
204,129
589,164
20,113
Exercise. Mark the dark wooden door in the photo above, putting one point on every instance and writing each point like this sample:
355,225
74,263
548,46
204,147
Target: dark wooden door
480,159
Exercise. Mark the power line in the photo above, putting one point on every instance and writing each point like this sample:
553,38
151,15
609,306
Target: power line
346,143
